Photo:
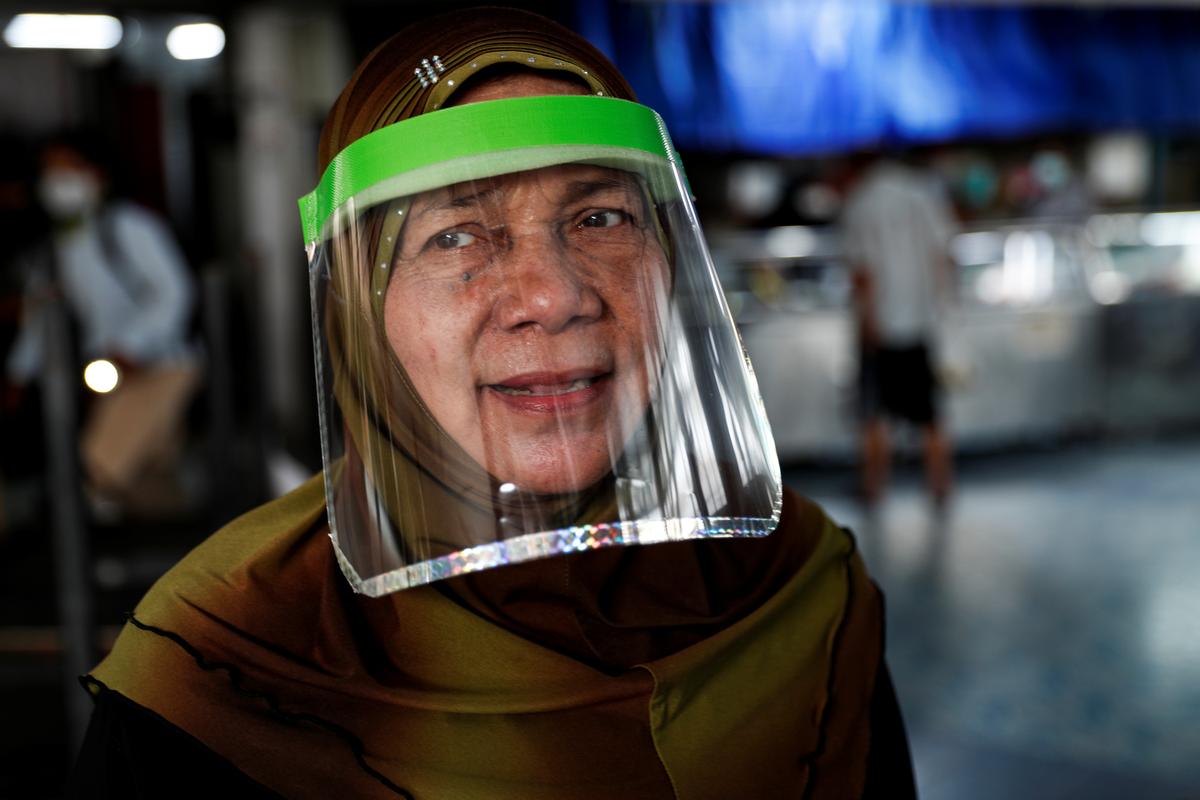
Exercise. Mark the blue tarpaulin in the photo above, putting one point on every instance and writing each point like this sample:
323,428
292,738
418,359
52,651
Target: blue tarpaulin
810,76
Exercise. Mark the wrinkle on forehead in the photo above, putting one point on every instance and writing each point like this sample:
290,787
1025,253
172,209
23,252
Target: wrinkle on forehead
563,184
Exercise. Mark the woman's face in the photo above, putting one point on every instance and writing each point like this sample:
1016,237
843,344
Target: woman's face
523,309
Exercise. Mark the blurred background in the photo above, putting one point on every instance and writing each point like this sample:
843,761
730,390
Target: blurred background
1044,621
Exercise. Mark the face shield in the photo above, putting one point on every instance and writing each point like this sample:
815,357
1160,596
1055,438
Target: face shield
522,348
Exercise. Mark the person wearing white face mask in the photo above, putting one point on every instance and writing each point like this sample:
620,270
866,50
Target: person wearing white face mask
67,193
121,275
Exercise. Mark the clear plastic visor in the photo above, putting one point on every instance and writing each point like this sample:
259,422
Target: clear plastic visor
531,361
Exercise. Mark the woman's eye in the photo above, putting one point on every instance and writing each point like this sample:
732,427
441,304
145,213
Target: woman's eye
604,219
452,240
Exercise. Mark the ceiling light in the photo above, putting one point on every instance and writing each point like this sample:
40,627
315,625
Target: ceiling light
195,41
64,31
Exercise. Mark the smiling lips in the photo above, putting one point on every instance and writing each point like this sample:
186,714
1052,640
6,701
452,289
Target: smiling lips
551,392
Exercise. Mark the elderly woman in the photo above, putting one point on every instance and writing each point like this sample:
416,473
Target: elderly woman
570,569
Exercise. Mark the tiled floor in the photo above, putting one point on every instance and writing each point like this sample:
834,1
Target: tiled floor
1044,630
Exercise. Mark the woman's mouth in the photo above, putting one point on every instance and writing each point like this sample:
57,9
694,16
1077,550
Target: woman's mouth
544,390
551,392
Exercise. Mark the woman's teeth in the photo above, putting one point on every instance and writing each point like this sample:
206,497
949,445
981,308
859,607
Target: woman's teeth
544,390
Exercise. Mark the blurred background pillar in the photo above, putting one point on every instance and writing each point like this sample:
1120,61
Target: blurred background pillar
60,413
287,69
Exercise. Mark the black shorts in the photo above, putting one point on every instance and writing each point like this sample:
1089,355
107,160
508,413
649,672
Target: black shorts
898,382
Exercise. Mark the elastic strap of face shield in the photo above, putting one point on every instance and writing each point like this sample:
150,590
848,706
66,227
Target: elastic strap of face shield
468,66
394,215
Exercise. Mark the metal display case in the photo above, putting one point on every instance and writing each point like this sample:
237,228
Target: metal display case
1145,272
1020,345
789,292
1019,351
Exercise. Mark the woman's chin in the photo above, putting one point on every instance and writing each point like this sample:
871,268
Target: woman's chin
560,473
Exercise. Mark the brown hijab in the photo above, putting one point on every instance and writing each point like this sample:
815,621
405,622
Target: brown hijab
389,86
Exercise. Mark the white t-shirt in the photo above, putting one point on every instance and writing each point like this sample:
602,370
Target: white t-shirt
897,227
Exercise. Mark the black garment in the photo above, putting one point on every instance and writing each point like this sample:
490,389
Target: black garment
898,382
132,753
889,763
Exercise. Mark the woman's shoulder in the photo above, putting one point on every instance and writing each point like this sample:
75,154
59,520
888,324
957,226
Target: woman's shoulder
130,751
804,526
254,590
272,562
275,526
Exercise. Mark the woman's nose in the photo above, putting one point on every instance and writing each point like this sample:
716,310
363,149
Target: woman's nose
544,287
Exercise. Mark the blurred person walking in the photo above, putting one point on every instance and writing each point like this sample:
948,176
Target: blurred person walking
119,272
897,227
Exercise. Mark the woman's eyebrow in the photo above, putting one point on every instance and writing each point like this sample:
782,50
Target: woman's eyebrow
578,190
573,192
455,201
